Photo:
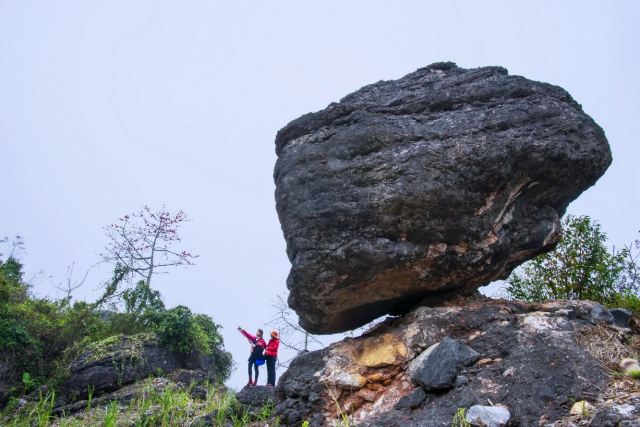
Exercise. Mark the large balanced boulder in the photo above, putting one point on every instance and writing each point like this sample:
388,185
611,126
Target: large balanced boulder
528,362
436,183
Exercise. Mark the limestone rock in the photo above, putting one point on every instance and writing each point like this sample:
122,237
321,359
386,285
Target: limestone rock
440,367
599,313
617,415
121,360
411,400
441,181
581,408
539,366
256,396
621,317
488,416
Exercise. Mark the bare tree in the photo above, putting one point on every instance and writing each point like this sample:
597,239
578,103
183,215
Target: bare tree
71,284
142,244
13,246
292,336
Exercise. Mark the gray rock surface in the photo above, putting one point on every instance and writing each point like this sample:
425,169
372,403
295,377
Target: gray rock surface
488,416
621,317
625,415
533,363
123,360
253,398
438,367
599,313
411,400
443,180
300,395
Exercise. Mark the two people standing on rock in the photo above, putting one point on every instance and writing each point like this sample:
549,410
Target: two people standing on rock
261,353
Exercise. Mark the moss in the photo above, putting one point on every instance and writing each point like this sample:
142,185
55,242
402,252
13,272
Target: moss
123,346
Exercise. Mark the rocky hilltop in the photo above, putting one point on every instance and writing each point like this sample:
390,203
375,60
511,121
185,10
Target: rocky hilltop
532,362
410,191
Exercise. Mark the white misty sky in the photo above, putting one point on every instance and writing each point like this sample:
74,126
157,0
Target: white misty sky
107,106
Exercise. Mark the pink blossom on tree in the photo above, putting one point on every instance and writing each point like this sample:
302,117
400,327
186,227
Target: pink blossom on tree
143,243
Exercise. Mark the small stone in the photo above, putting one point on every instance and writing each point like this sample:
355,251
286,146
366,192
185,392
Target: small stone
621,317
606,417
348,380
411,400
630,423
631,367
509,371
581,408
375,386
442,363
484,361
626,410
461,380
600,314
367,395
255,396
488,416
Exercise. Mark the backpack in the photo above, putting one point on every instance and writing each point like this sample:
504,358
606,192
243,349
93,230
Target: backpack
257,353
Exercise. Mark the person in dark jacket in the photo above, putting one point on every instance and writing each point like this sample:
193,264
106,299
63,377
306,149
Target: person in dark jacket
256,358
271,355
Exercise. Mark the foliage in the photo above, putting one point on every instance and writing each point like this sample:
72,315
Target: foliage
181,331
460,418
580,267
165,405
39,337
143,243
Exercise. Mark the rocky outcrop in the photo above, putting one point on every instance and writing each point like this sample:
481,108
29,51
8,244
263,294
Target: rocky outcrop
109,365
252,399
530,362
436,183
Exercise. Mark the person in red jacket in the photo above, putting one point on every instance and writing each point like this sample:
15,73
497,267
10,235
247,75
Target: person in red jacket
271,355
257,348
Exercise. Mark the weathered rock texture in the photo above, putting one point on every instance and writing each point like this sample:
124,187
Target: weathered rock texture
121,360
536,360
444,180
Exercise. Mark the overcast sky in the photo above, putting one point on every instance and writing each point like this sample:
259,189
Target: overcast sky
108,106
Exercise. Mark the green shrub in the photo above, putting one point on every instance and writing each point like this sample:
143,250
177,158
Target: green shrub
180,331
41,337
580,267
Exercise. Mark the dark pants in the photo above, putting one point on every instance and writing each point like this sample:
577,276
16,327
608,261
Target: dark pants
252,364
271,370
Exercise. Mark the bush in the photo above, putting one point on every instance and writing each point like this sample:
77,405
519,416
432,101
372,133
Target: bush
41,337
580,267
181,331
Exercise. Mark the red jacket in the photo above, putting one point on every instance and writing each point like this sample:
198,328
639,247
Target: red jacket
254,340
272,347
